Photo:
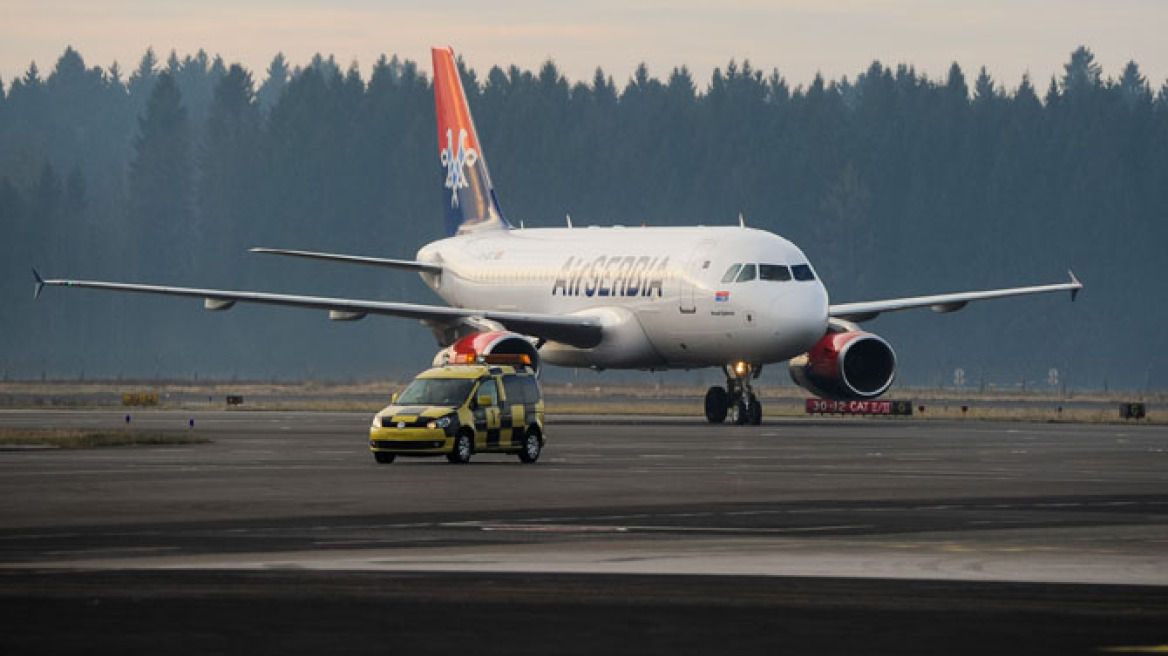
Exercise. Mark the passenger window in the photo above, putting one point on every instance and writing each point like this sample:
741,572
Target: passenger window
803,272
748,273
778,272
731,273
488,388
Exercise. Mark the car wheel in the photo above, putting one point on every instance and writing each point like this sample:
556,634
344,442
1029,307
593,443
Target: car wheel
531,447
462,451
716,405
383,458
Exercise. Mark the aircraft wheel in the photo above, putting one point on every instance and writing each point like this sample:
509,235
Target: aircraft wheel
741,414
463,449
717,403
383,458
755,411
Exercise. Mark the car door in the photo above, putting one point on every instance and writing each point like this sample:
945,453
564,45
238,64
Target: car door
514,408
487,416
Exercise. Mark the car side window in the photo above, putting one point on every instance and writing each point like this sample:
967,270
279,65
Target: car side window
513,389
488,388
531,389
747,273
731,273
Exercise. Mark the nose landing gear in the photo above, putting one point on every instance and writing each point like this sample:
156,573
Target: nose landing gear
737,400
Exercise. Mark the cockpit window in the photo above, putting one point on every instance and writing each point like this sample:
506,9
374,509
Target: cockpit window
778,272
748,272
731,273
803,272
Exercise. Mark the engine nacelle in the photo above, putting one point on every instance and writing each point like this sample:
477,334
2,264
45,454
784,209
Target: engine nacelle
846,366
489,343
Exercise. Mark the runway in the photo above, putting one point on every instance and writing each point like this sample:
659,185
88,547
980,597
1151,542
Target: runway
637,535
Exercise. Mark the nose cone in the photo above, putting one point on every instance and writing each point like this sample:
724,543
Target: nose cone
814,321
801,316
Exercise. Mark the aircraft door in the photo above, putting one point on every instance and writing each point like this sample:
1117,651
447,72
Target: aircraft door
689,280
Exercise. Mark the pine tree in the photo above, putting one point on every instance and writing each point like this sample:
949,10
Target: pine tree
230,166
160,180
1082,73
142,79
275,83
75,196
32,78
1133,87
955,86
984,90
115,78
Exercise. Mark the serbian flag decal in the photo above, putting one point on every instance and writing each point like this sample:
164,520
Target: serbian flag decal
721,296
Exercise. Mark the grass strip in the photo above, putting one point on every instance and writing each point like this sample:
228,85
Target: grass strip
92,439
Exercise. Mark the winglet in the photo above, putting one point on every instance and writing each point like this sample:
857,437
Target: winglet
40,284
1078,285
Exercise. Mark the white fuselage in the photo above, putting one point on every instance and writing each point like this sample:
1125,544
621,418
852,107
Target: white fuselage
657,291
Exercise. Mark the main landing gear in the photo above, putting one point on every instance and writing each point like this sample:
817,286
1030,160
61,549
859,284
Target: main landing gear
737,400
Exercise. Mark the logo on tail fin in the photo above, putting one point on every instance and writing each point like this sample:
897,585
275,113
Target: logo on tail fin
456,177
473,206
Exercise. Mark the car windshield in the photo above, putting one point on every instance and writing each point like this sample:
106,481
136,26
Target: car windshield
436,391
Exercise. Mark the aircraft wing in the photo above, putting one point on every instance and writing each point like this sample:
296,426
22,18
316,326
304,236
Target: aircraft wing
943,302
583,332
410,265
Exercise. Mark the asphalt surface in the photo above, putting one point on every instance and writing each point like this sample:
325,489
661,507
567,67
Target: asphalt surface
633,536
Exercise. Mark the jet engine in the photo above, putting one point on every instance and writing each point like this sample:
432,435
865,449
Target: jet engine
852,365
498,342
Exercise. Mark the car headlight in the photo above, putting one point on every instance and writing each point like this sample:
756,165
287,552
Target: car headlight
441,422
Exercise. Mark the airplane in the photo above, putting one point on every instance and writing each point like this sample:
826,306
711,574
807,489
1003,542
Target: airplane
644,298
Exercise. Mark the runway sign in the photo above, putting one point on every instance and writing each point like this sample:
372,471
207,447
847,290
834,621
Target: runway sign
1132,411
829,407
140,398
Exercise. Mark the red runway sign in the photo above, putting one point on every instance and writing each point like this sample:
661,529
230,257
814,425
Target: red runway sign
828,407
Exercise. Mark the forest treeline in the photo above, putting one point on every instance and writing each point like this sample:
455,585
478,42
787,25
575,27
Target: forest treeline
893,183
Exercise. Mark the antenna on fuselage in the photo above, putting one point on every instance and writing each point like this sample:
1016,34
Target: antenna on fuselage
569,218
521,226
741,220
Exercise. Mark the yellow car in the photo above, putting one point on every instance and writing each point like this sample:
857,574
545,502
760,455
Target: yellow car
459,410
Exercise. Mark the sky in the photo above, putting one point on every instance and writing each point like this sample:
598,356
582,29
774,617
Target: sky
798,37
